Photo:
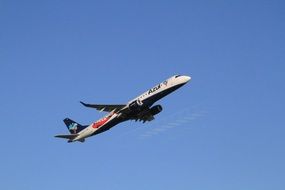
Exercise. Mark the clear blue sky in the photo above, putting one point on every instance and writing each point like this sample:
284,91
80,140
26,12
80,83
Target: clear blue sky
224,130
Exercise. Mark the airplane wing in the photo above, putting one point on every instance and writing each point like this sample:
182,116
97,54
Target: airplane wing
104,107
144,116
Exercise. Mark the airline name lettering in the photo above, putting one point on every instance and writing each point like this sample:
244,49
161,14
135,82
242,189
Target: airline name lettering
154,89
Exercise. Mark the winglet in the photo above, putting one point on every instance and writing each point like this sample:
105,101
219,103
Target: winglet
87,105
83,103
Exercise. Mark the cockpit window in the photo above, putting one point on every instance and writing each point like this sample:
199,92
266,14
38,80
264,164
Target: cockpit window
176,76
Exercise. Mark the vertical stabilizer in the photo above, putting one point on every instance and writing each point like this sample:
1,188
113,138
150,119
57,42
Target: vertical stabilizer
73,127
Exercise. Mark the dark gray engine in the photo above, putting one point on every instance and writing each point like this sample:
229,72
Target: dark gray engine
156,109
135,105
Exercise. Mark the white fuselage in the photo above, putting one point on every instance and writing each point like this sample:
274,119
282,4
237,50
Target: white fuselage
163,86
92,128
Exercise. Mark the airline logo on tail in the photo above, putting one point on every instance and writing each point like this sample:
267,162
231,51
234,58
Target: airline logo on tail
73,127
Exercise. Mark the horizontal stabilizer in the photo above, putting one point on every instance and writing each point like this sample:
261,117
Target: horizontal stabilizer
71,136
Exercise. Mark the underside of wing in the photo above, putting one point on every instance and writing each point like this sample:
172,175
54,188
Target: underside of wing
143,116
104,107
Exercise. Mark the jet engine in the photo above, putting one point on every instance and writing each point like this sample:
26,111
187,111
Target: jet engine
156,109
135,105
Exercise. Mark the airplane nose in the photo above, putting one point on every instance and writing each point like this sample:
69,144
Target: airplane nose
187,78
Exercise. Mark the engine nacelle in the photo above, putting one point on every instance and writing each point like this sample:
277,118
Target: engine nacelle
135,105
156,109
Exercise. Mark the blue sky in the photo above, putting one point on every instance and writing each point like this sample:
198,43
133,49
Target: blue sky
224,130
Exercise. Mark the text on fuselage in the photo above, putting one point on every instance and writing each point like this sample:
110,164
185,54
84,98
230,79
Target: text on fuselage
154,89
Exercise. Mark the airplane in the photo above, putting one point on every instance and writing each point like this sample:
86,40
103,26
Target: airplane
139,109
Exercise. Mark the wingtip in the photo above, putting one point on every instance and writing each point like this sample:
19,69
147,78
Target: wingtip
82,103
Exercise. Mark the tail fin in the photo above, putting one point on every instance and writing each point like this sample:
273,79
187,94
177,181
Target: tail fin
73,127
